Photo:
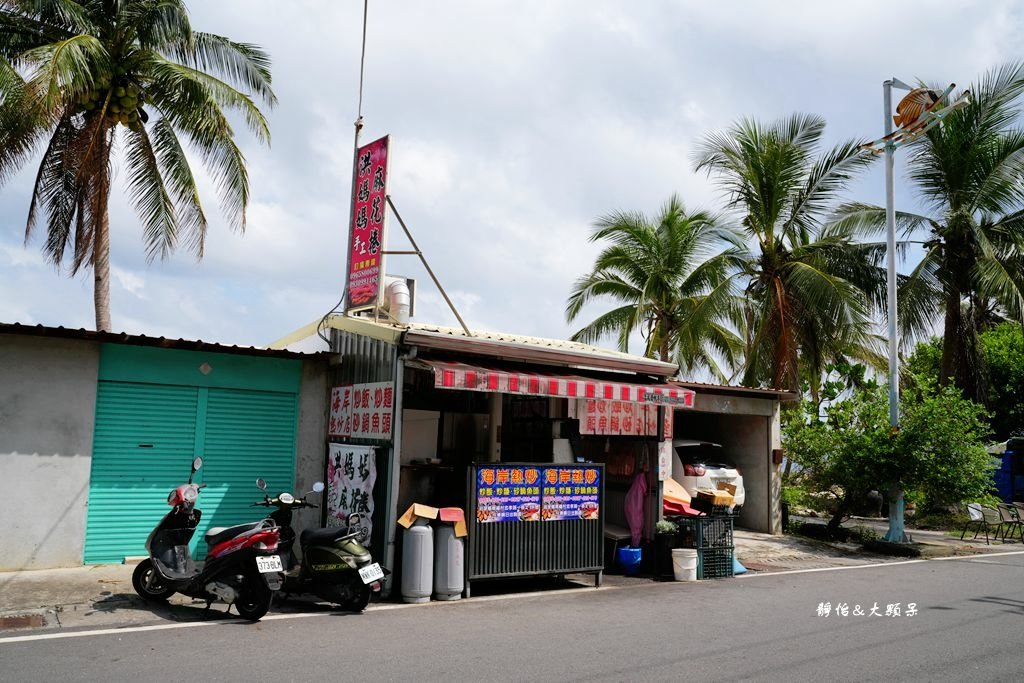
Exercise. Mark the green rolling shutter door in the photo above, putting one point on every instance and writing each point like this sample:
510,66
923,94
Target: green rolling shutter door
142,447
249,434
148,433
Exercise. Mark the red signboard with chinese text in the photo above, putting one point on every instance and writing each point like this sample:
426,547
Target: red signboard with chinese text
610,418
366,259
362,411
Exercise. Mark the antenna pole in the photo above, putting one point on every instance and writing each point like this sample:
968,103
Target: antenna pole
427,266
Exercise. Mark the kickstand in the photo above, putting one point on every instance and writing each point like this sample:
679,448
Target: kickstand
206,610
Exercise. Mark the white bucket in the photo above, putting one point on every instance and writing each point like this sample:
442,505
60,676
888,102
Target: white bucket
684,564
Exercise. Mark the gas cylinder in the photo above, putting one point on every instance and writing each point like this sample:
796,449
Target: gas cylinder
417,562
448,564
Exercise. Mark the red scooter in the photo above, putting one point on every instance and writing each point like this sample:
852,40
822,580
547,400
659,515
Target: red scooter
242,566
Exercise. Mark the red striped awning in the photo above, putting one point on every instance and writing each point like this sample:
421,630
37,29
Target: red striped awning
452,375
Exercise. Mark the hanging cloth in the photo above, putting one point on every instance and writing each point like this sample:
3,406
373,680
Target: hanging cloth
635,507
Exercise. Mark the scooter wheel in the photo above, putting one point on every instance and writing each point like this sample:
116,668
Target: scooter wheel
148,583
254,600
357,599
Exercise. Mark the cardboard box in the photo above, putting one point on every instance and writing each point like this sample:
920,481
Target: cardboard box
714,497
457,516
417,510
726,486
421,511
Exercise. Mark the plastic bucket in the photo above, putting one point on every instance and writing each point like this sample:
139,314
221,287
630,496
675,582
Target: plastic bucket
684,564
629,560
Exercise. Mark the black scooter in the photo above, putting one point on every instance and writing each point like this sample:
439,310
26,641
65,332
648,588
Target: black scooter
242,567
335,566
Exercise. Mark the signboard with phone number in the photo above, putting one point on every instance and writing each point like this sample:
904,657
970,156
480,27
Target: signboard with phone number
532,494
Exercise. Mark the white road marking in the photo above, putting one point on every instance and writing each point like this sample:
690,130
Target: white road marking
582,590
278,617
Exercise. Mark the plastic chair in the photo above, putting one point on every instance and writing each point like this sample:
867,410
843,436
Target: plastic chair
1009,517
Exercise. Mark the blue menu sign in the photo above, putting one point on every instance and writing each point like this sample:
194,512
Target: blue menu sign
508,493
572,492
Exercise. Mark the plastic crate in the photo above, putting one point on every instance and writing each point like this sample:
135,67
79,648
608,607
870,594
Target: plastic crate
714,563
705,532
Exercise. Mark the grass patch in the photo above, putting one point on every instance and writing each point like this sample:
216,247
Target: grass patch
938,521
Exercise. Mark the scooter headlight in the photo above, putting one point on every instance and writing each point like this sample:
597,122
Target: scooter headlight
191,494
286,498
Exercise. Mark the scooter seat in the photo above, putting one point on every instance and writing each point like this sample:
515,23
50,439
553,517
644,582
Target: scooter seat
219,534
328,535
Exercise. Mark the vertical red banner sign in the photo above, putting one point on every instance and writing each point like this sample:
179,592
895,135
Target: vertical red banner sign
366,263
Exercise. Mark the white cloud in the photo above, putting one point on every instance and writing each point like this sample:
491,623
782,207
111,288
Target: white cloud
516,124
129,281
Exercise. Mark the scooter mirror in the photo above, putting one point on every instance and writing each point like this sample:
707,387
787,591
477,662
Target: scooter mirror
261,484
318,487
196,464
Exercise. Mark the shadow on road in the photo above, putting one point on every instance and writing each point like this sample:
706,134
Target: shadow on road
1017,605
179,609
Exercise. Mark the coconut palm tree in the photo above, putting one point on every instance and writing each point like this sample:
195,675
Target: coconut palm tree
88,80
809,286
969,173
671,285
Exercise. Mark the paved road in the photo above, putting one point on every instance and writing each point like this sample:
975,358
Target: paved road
968,626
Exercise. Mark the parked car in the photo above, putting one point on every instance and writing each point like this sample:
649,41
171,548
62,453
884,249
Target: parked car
705,465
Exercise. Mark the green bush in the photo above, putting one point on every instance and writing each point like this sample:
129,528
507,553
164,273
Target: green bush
1002,353
937,452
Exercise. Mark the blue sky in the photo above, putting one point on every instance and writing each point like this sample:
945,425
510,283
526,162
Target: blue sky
515,125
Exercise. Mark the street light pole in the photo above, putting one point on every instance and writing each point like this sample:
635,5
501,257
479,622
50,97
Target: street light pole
897,531
890,224
919,111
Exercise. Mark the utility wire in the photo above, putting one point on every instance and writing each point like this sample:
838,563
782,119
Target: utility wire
359,124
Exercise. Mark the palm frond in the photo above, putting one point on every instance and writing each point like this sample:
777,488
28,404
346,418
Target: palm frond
149,195
181,185
919,297
201,89
242,63
868,220
597,284
618,322
827,178
67,69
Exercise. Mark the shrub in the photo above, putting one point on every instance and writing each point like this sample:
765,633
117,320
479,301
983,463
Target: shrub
936,453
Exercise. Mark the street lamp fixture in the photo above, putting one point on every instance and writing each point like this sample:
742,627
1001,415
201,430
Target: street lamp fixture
920,110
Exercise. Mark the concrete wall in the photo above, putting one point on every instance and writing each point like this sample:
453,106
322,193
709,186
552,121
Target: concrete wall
47,411
748,430
311,440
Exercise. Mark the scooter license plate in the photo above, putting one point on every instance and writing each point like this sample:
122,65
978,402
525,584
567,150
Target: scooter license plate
269,563
371,573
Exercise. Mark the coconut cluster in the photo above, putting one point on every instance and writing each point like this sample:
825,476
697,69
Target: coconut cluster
123,99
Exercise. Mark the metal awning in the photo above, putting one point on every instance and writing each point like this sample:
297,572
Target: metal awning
460,376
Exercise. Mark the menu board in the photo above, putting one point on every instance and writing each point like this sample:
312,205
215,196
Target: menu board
571,493
508,494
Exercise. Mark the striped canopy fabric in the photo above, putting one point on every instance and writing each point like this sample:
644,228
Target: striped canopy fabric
460,376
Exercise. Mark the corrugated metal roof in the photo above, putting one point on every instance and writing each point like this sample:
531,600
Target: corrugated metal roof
143,340
492,344
565,351
561,344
